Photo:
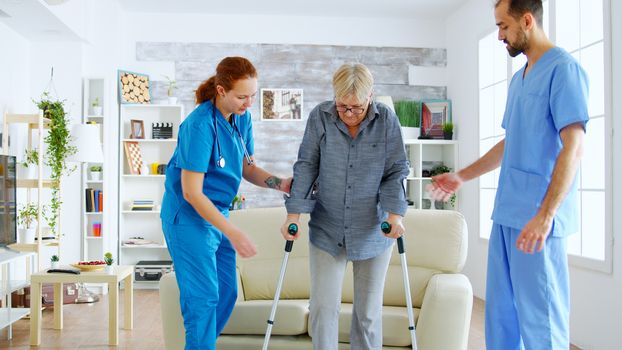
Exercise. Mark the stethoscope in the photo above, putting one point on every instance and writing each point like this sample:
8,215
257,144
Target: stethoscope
220,159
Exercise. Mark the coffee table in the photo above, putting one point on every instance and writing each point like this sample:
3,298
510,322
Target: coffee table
113,278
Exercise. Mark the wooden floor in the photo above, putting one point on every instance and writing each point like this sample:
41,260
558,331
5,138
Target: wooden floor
86,327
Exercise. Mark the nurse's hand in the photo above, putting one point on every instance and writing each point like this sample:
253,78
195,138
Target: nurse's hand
534,234
443,186
291,219
242,244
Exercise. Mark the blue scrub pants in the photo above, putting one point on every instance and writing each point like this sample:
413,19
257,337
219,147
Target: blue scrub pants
527,301
204,262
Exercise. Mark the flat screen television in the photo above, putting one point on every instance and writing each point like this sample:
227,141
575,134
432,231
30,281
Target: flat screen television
8,204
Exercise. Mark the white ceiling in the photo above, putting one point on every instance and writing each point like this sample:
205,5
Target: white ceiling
423,9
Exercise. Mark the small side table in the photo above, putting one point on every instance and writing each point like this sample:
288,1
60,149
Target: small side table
120,273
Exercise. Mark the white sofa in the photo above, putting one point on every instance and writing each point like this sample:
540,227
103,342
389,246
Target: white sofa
436,248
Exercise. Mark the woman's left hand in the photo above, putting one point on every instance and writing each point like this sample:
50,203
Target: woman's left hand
397,228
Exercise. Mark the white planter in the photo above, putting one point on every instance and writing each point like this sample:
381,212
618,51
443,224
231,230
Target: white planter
27,235
97,111
410,133
25,173
96,175
172,100
55,264
109,269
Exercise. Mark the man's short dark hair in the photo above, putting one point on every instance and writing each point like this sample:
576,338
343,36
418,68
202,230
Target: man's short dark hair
517,8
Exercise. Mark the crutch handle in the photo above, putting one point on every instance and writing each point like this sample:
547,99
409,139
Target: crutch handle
292,229
385,226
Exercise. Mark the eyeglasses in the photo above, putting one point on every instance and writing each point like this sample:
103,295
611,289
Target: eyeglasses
353,110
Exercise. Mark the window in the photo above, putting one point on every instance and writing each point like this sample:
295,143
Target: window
578,26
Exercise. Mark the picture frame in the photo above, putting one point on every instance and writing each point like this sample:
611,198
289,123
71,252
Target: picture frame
281,104
434,113
137,128
134,88
134,156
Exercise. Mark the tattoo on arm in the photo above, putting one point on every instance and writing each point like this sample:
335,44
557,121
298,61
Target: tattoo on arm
273,182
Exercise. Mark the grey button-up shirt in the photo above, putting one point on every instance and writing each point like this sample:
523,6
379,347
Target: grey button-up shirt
359,180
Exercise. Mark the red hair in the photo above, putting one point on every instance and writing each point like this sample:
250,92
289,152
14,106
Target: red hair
228,71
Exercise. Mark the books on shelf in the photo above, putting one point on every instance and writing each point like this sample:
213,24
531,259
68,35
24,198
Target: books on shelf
94,200
142,205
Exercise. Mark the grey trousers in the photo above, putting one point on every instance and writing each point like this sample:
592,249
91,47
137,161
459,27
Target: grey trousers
327,274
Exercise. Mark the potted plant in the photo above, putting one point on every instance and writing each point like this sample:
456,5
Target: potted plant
108,260
28,168
27,219
448,131
58,149
97,108
55,260
170,91
408,114
95,172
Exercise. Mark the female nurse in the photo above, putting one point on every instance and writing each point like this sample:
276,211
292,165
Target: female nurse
214,151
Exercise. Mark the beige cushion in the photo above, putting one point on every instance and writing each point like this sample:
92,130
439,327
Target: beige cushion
250,317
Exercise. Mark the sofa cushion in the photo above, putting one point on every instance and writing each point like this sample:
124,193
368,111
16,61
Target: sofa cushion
261,277
250,317
394,325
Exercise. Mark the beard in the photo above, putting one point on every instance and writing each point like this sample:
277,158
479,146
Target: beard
519,46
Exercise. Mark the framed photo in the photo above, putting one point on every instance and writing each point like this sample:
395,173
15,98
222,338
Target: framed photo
133,88
434,113
137,129
281,104
134,156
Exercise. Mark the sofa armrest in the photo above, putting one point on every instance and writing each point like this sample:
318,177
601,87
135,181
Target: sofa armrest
446,309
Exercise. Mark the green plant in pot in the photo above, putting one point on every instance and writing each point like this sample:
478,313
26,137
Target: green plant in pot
408,114
441,169
58,149
170,91
448,130
55,260
97,108
96,171
27,219
28,168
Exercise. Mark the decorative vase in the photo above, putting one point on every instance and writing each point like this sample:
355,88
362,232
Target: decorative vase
26,235
172,100
96,175
26,172
144,170
410,132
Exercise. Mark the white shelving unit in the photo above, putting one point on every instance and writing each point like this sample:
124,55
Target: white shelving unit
424,154
9,314
36,124
94,244
144,224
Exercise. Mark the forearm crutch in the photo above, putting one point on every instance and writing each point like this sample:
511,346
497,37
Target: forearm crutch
386,228
292,229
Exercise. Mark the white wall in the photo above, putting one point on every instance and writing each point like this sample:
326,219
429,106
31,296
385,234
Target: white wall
596,304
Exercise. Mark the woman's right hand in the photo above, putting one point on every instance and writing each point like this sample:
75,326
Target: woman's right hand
242,244
291,219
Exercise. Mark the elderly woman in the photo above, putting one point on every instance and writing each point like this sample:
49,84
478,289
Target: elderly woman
349,176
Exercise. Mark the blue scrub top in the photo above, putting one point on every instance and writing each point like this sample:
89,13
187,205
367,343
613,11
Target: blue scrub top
197,151
552,96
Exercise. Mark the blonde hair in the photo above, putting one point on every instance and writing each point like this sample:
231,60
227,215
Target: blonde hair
353,79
